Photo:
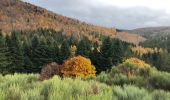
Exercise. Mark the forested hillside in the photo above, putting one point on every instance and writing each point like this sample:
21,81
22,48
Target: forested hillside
18,15
47,56
152,32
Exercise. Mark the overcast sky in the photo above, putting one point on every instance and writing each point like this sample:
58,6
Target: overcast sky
123,14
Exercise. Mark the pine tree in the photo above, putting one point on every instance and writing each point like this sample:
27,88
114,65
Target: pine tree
31,54
64,52
72,40
4,60
105,58
84,47
41,54
106,48
28,65
94,56
54,52
16,53
118,52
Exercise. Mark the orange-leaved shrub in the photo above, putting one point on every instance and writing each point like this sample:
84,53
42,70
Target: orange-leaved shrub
134,66
50,70
78,67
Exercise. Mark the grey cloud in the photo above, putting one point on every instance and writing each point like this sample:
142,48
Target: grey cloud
110,16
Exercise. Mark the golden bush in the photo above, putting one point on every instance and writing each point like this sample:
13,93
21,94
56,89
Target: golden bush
78,67
136,62
134,66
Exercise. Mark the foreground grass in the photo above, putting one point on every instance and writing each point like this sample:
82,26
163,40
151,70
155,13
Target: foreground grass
28,87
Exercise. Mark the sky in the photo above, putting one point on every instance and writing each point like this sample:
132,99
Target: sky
122,14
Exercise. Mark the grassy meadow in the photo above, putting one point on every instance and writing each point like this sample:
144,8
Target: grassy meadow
28,87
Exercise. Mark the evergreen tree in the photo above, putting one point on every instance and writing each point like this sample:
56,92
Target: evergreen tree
4,60
28,65
16,53
42,54
118,52
105,58
54,52
73,40
84,47
64,52
94,56
31,54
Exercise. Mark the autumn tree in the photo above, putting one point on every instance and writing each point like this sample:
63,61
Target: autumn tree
78,66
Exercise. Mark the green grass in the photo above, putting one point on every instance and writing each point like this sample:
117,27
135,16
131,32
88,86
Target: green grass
28,87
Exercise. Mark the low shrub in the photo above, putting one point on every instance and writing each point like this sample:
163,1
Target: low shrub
104,78
50,70
159,80
128,92
160,95
134,66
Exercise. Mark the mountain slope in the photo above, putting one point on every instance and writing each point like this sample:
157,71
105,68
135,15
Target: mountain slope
152,32
18,15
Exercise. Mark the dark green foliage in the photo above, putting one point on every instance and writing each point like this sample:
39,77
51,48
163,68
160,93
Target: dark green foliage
54,49
73,40
28,64
106,48
64,52
112,52
84,47
158,59
27,51
95,57
4,59
162,41
118,53
159,80
15,52
105,58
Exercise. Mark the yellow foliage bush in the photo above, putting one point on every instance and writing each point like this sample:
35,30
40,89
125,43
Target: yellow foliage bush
136,62
134,66
78,67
